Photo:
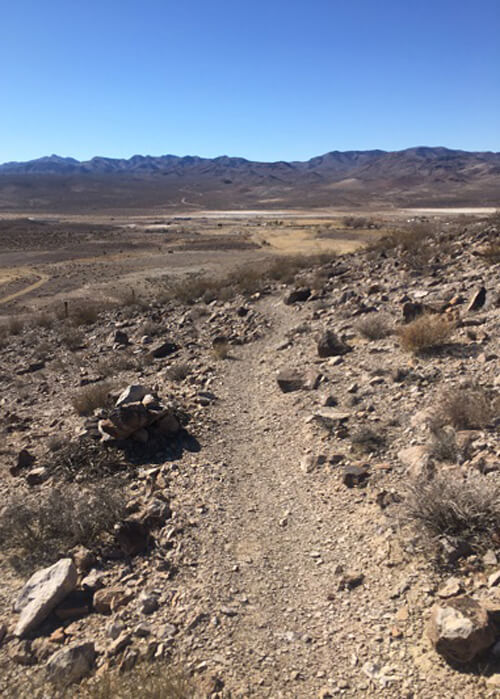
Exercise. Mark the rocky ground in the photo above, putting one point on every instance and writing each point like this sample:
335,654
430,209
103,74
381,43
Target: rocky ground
263,471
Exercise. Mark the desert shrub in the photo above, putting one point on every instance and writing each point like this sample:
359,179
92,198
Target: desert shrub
85,460
15,325
43,349
72,338
83,314
177,372
467,408
43,320
427,332
492,253
367,439
443,444
44,526
355,222
119,361
220,347
375,326
88,398
460,510
145,680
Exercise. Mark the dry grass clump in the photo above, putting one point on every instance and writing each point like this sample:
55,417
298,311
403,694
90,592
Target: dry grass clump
375,326
245,280
72,338
15,325
492,253
85,314
88,398
39,528
460,510
469,408
86,460
146,681
427,332
368,439
117,362
220,347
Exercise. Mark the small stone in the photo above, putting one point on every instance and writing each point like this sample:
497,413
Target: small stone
490,558
24,460
134,393
163,349
109,599
452,587
37,476
494,579
148,603
119,644
354,475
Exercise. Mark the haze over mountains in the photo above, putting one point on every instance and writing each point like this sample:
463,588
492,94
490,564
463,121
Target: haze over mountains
420,176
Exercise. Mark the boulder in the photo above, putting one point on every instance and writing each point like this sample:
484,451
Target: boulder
163,349
460,629
24,460
69,665
296,295
121,338
329,345
124,421
132,394
42,593
477,301
290,380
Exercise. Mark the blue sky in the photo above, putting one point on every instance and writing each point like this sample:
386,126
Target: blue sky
266,80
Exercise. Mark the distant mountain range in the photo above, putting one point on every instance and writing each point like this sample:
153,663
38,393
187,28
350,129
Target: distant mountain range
420,176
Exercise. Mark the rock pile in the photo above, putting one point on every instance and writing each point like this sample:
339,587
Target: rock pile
137,414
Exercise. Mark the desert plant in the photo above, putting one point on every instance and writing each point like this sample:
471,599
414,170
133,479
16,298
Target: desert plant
15,325
427,332
443,444
220,347
145,680
367,439
375,326
467,408
463,510
72,338
85,460
84,314
88,398
43,526
43,320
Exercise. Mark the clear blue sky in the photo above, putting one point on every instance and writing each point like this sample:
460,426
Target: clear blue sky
263,79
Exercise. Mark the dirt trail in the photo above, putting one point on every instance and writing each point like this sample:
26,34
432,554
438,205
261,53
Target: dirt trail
27,289
274,538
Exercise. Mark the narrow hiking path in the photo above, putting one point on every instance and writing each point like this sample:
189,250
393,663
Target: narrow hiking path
272,544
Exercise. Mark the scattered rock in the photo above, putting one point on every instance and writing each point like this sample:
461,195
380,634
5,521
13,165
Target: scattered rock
109,599
24,460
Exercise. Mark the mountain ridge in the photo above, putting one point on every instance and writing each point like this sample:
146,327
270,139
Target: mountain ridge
417,176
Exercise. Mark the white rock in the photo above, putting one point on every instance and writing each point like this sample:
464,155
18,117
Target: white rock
132,394
42,593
